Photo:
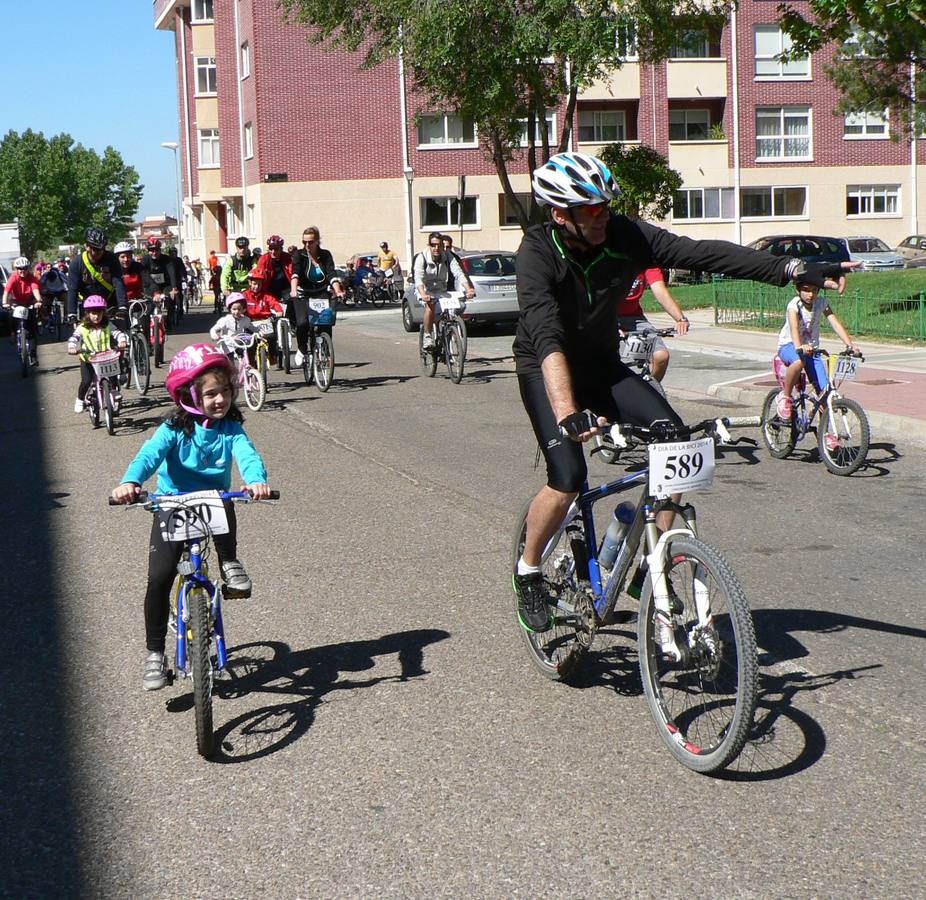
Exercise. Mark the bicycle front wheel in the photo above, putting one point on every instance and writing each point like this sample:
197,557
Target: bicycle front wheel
108,408
323,360
201,669
141,371
158,348
263,366
777,434
843,437
24,351
558,652
255,389
455,349
285,349
428,357
703,704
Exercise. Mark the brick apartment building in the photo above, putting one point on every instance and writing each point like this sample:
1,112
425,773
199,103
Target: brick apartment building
277,134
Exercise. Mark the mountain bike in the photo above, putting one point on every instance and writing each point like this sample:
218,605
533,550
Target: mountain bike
250,381
695,635
24,348
200,650
139,367
449,335
842,429
103,399
636,350
318,363
157,330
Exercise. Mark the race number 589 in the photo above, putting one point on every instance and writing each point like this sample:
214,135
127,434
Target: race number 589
681,466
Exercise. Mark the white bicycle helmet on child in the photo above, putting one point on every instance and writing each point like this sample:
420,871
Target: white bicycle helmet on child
123,247
573,179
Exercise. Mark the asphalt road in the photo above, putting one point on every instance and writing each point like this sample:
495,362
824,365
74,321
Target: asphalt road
383,734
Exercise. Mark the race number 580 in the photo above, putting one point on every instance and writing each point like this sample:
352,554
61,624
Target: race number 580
680,466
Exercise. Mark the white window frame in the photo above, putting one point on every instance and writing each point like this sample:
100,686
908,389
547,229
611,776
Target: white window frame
773,190
203,65
198,10
783,113
596,126
208,137
449,200
870,193
705,45
784,44
866,120
245,51
721,193
685,112
447,143
504,209
195,215
551,130
248,140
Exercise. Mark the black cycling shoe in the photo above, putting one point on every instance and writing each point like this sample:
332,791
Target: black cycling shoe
533,602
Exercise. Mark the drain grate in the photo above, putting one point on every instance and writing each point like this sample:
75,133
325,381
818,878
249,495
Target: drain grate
879,382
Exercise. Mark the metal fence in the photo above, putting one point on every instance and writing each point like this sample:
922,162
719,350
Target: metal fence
754,305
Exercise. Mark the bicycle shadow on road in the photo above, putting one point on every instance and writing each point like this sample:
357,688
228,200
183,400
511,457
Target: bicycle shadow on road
879,457
301,680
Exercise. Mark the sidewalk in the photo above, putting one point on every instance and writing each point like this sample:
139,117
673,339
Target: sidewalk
891,385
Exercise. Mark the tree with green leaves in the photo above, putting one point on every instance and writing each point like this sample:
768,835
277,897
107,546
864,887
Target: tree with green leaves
881,61
504,64
647,182
56,189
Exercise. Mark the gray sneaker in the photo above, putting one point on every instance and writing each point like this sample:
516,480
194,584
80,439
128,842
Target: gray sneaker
237,582
154,675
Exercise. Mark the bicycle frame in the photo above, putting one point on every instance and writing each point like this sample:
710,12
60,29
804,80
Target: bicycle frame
190,581
803,420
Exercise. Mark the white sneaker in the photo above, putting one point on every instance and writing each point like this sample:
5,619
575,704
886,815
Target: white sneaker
299,358
78,405
427,341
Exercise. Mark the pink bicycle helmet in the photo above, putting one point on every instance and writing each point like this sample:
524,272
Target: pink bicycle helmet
235,297
187,364
94,301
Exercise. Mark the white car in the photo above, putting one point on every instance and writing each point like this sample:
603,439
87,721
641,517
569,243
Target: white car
872,253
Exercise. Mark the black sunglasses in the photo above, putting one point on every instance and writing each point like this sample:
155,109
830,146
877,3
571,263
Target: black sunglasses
434,245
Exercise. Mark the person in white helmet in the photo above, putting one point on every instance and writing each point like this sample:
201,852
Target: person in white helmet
573,272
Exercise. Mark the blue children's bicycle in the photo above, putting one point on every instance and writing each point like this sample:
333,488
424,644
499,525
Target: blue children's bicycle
695,638
196,607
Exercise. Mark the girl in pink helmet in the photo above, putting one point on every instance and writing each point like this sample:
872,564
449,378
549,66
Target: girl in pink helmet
192,450
93,334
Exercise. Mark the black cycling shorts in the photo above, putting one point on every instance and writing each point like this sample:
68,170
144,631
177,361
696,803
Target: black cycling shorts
611,390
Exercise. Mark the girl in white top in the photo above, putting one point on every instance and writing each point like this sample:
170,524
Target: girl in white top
236,322
798,339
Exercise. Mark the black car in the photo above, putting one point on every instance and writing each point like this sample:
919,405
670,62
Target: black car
810,248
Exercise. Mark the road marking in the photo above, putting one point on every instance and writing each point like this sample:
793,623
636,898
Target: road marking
744,378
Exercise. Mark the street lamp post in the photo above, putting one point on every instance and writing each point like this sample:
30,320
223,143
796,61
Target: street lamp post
173,145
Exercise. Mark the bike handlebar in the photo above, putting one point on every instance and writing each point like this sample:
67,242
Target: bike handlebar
144,498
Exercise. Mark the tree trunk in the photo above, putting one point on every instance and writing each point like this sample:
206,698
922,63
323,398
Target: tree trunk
498,158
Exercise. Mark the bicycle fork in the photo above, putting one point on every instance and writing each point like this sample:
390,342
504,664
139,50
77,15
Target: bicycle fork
192,572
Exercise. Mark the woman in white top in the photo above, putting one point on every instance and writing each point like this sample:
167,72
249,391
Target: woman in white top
798,339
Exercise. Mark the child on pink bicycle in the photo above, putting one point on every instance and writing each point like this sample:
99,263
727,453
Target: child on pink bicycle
236,321
798,339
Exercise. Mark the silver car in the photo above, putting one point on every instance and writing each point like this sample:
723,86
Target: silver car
913,250
492,273
872,253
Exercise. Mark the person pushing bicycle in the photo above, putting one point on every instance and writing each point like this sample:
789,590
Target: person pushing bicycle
573,271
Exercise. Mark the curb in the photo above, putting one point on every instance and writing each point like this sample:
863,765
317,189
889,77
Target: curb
901,428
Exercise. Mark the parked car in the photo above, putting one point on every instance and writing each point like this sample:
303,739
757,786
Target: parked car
872,253
808,247
913,250
492,273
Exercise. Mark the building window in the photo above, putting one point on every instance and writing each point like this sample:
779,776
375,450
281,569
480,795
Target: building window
873,200
696,45
538,138
248,140
783,132
600,126
704,203
773,202
202,11
208,148
771,43
446,131
205,74
627,40
506,209
196,223
443,212
245,59
689,124
866,125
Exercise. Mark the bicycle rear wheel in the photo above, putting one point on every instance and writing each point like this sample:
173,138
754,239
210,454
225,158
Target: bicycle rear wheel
201,669
255,389
703,705
843,437
558,652
158,348
323,360
455,349
777,434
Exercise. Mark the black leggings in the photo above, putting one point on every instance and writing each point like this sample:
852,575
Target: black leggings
163,557
298,314
612,390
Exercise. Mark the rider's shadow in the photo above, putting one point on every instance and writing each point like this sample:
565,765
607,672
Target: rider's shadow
300,680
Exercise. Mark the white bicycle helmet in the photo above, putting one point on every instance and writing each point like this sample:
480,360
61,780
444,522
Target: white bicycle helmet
123,247
20,263
573,179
